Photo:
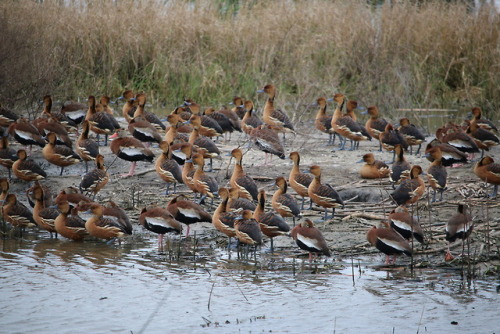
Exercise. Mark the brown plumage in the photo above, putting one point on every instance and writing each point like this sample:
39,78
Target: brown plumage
375,124
488,171
25,133
240,180
4,189
75,111
223,220
284,204
299,181
247,229
483,138
310,239
233,118
238,108
271,224
483,122
103,228
272,116
72,196
167,168
67,225
47,125
236,202
48,198
410,190
406,225
100,122
459,226
345,126
187,212
7,117
204,145
388,241
59,155
456,137
44,217
250,121
173,134
16,213
27,169
390,138
207,126
436,173
188,168
86,148
143,130
225,124
400,169
160,221
373,169
59,117
411,134
96,179
130,105
450,154
267,140
147,115
206,184
323,122
130,149
323,194
7,155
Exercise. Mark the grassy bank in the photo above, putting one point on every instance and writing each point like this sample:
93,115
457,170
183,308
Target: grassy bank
435,54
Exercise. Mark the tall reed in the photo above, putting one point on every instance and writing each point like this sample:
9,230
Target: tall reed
410,54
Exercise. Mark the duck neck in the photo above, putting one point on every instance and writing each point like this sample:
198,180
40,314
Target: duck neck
269,106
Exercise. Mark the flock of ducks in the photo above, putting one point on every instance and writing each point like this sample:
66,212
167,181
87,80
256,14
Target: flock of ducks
188,141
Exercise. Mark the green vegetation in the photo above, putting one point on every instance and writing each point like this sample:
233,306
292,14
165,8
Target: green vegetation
421,54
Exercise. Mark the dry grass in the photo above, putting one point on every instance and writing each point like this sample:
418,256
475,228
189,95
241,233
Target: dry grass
432,54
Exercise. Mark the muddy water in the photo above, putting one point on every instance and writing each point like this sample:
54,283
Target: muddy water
57,286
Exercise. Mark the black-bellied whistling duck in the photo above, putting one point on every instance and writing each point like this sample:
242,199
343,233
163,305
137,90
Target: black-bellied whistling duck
207,126
206,144
130,149
250,121
323,122
284,204
187,212
236,202
483,138
48,198
59,155
7,155
221,119
375,124
455,136
86,148
239,108
72,196
159,221
271,224
411,133
16,213
268,141
345,126
27,169
130,105
143,130
459,226
100,122
373,169
410,190
75,111
206,185
240,180
488,171
400,169
223,220
436,173
44,217
299,181
388,241
7,117
483,122
310,239
167,168
323,194
450,154
67,225
247,229
272,116
95,180
25,133
406,225
103,228
390,138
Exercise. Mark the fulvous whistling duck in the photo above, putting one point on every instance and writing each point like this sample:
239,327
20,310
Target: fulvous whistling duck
130,105
143,130
310,239
96,179
411,133
225,124
410,190
103,228
240,180
69,226
373,169
160,221
130,149
450,154
112,212
187,212
75,111
488,171
7,155
44,217
250,121
86,148
459,226
406,225
238,108
27,169
4,189
47,125
456,137
233,118
267,140
59,155
390,138
167,168
207,126
345,126
184,113
350,107
400,169
147,115
323,194
271,224
323,122
47,200
188,169
483,138
388,241
206,185
72,196
483,122
59,117
16,213
284,204
375,124
25,133
247,229
7,117
223,220
100,122
299,181
173,135
105,101
204,143
272,116
236,202
436,173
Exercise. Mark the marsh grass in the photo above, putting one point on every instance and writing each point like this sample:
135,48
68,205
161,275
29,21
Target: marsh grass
429,54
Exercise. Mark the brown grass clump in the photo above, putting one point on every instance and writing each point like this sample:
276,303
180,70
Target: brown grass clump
411,54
